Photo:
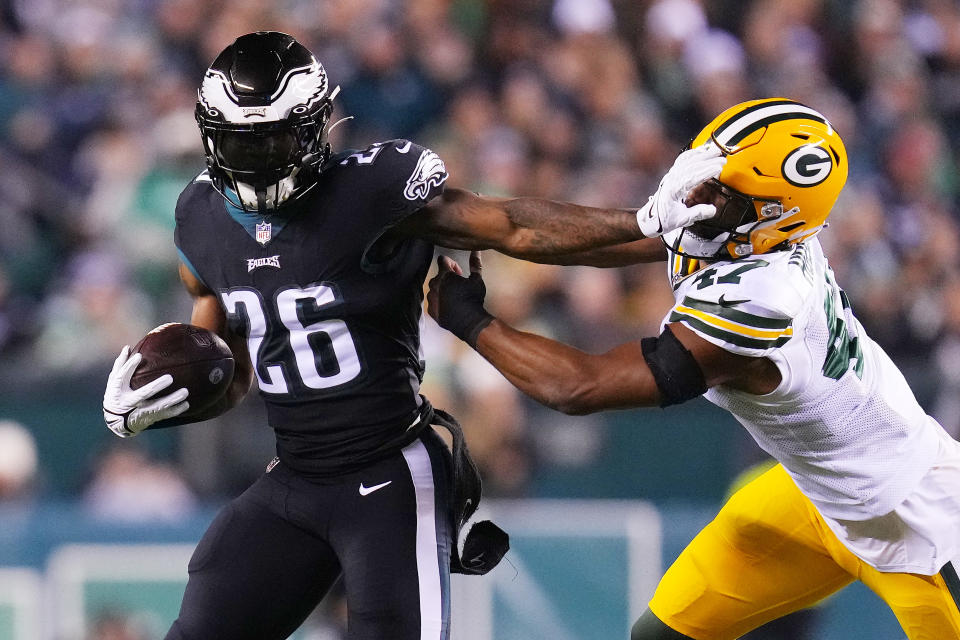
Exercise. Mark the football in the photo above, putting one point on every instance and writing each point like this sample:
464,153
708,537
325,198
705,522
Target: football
197,359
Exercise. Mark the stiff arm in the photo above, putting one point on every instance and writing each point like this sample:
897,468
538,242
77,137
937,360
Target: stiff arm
533,229
553,232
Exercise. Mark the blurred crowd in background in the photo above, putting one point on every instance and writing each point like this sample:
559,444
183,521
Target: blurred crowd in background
581,100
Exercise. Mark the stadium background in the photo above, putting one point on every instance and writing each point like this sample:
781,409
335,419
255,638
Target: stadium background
583,100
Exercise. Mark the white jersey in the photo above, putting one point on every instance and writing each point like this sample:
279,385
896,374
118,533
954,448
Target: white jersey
843,421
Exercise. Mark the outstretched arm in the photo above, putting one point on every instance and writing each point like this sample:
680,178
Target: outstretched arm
568,379
572,381
529,228
563,233
618,255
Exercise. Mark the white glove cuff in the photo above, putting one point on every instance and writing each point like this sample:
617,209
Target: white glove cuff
117,422
648,221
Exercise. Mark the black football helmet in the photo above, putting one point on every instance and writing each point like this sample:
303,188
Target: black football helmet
263,110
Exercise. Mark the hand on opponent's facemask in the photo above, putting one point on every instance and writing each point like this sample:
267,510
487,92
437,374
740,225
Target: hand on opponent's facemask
665,211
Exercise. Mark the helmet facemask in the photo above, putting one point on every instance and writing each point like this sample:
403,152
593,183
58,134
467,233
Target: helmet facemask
264,109
785,168
260,167
737,215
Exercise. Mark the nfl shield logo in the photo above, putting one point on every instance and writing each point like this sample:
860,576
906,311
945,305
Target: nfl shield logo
263,232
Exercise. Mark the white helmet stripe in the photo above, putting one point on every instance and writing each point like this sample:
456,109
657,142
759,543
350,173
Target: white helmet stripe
733,131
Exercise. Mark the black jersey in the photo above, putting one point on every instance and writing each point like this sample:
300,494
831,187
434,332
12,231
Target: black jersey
331,316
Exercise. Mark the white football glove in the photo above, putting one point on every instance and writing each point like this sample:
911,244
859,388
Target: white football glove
665,210
128,411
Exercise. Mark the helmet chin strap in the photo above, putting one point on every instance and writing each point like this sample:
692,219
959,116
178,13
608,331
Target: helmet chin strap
686,243
262,200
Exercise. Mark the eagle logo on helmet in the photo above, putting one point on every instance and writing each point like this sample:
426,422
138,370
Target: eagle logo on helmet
295,94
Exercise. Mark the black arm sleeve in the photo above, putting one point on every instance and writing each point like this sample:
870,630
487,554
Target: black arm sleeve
676,372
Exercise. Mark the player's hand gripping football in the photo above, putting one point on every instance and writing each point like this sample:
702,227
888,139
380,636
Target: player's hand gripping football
665,210
456,302
128,411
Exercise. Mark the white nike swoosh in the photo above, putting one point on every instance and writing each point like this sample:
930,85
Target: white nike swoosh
365,491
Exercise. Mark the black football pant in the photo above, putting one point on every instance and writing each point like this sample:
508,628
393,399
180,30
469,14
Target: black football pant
271,555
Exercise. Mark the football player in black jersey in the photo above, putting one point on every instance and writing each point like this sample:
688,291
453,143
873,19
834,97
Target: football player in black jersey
311,266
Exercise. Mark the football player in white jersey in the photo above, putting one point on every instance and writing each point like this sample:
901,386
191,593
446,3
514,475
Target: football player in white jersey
867,486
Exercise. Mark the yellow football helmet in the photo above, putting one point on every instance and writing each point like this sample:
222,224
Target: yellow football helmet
785,168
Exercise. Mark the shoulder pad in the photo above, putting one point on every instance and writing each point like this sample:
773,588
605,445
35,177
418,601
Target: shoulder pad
193,219
426,177
360,157
401,178
402,168
196,189
745,306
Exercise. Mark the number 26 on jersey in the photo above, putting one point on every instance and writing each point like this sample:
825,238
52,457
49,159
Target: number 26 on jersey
312,342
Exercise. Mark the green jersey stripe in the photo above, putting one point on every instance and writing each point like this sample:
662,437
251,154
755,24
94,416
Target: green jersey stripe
735,315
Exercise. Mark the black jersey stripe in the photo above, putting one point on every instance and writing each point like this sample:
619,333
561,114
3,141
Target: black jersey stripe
949,575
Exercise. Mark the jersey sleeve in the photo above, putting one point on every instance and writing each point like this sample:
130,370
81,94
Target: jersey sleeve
417,176
408,177
747,307
185,235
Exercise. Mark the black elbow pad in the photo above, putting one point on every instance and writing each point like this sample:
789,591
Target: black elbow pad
676,372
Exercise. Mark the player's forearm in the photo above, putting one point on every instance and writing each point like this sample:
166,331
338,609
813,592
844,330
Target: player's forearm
532,229
618,255
550,372
549,231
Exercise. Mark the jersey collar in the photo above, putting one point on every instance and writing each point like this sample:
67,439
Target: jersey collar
270,225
